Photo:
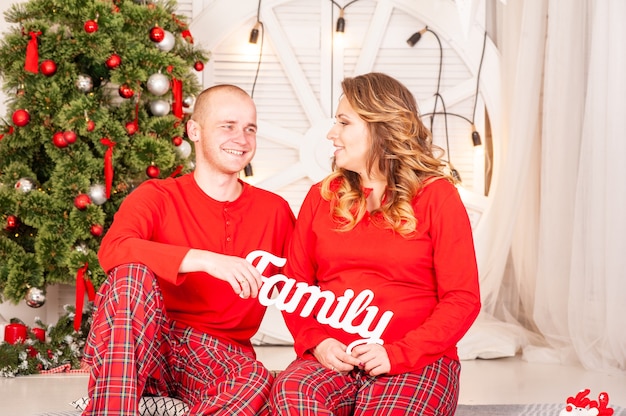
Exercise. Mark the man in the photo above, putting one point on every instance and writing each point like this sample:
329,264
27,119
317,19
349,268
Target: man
178,309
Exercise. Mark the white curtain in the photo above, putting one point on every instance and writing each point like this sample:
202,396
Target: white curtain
556,276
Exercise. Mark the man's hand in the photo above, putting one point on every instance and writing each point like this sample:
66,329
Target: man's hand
242,276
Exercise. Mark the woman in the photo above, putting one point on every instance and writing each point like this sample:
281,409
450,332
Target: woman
388,222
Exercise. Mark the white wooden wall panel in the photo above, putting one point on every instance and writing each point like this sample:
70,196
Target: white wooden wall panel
298,50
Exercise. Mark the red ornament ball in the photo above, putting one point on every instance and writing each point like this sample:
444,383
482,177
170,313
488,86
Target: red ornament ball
21,118
153,171
177,141
82,201
126,91
96,230
48,67
90,125
91,26
114,61
157,34
198,66
59,140
12,223
69,136
131,128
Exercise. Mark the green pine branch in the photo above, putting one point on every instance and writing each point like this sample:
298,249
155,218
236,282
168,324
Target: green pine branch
44,237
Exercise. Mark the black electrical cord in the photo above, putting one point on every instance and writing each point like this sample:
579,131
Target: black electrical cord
259,25
480,67
475,135
437,94
448,114
455,173
344,7
340,24
258,67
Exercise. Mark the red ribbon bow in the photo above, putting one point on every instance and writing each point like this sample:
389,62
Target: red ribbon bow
31,63
108,165
186,34
177,97
177,171
82,284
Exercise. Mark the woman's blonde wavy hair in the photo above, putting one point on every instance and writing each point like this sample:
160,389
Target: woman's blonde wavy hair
401,146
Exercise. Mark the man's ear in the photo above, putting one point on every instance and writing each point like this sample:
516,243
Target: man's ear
193,130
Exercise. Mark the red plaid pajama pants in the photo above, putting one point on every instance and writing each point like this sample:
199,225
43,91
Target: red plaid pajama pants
134,350
306,388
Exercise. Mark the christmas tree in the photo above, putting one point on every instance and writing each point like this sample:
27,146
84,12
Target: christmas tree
98,95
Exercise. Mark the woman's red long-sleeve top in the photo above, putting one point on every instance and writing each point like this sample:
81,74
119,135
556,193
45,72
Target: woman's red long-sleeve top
161,220
429,281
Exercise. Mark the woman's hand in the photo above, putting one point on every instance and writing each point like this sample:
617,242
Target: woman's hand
372,358
332,355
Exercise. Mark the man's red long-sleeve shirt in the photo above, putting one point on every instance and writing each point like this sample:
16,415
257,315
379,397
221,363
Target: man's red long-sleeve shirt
161,220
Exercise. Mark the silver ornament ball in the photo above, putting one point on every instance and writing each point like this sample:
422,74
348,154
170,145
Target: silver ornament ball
189,101
97,193
84,83
160,108
184,149
35,297
158,84
82,248
24,185
168,42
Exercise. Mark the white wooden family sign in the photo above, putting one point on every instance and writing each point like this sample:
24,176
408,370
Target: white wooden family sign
346,309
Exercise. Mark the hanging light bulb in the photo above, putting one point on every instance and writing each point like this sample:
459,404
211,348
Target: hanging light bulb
341,22
254,33
415,37
247,170
475,136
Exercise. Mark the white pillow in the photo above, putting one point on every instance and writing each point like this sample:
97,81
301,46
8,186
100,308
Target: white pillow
490,338
149,406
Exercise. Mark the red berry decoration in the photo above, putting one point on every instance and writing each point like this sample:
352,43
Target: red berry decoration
82,201
96,230
131,128
177,140
12,223
59,140
198,66
114,61
90,125
91,26
69,136
153,171
48,67
21,118
157,34
126,91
